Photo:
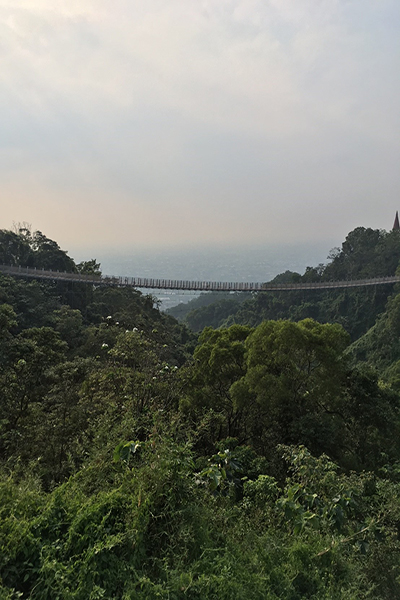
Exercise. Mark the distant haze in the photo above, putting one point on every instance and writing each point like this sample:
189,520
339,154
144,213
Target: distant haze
228,263
238,263
182,123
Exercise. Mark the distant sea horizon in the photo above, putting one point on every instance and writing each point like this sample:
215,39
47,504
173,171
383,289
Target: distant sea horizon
250,263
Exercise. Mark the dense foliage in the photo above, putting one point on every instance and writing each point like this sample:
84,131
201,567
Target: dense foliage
365,253
260,460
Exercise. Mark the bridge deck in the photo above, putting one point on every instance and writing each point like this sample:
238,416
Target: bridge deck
177,284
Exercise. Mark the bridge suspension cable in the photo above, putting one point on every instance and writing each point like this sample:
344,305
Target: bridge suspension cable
202,286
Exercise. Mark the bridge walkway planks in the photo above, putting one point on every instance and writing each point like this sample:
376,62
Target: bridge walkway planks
202,286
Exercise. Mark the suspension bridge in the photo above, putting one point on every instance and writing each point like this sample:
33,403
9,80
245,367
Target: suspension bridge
200,286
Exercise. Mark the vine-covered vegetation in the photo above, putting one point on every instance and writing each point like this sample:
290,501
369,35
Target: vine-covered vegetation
138,460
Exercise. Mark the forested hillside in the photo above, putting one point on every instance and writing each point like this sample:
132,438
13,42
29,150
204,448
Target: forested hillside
364,253
260,460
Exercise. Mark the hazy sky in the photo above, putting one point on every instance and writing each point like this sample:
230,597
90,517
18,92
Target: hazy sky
167,122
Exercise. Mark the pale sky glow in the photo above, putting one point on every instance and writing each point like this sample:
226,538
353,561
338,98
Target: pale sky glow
199,121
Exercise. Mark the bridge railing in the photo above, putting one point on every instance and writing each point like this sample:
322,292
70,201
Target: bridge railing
149,283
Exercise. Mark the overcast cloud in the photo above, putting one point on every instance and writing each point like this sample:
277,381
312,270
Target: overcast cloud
199,121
